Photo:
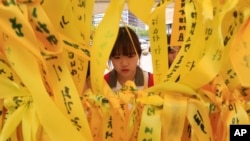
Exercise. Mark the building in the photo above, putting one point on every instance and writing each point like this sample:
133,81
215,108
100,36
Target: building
127,17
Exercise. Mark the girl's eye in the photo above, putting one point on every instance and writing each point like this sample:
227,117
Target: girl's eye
131,55
117,57
171,51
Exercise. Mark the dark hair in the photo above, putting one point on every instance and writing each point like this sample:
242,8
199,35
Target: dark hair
126,43
168,42
168,39
88,70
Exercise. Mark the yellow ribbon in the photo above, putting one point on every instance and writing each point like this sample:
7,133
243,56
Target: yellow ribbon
158,42
104,39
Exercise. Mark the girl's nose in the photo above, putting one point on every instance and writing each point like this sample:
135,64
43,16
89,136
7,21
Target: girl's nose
124,61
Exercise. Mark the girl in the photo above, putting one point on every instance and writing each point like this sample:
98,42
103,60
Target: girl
124,57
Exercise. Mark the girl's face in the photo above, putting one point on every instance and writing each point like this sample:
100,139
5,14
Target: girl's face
125,66
172,53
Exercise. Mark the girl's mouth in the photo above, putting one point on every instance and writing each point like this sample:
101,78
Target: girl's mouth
125,70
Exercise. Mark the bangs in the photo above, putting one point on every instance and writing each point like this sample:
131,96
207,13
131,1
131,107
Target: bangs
125,44
125,49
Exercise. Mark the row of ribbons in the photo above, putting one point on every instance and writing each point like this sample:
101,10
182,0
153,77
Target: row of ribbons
44,53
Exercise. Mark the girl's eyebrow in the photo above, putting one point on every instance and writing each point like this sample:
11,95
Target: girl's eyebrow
173,48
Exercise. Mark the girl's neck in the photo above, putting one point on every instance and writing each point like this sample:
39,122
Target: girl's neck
123,80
